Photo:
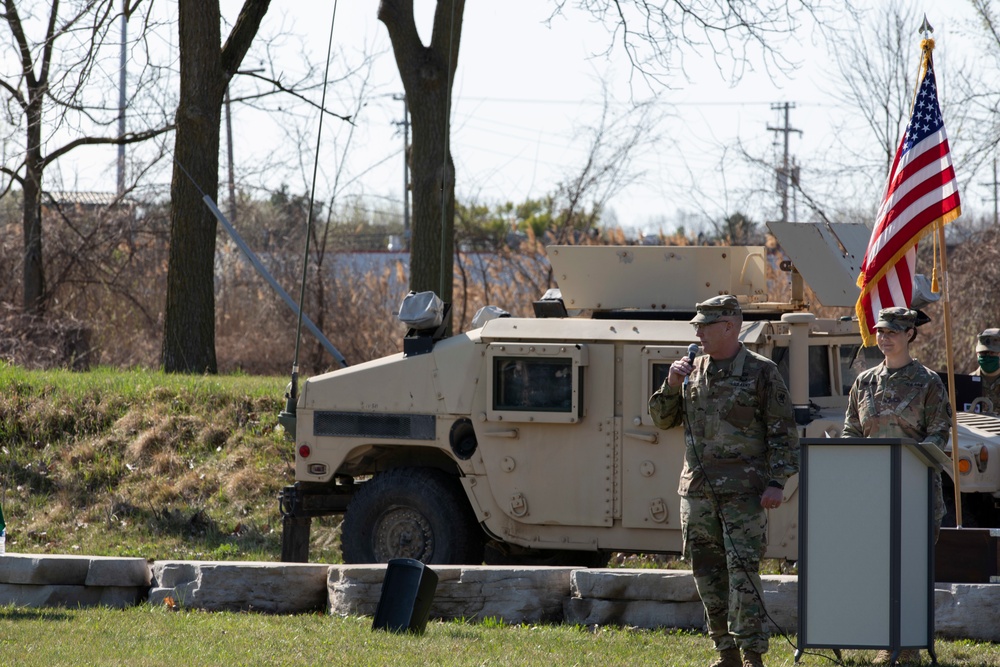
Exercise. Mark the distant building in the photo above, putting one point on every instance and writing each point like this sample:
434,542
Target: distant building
77,202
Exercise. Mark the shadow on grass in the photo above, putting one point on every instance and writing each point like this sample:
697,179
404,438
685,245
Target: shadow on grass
12,613
201,532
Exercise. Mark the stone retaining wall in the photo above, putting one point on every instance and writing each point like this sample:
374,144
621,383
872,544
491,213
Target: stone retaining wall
473,592
278,588
72,581
634,598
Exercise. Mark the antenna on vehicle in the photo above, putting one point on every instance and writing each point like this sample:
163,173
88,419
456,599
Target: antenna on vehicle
287,416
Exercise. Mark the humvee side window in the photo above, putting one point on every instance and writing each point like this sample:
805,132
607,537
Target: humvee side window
523,383
655,363
852,366
820,383
535,383
658,373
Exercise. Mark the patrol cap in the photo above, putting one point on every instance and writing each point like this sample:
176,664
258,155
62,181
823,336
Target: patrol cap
989,341
716,308
896,318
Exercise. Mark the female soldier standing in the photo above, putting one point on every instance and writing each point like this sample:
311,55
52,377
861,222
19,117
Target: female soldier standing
900,398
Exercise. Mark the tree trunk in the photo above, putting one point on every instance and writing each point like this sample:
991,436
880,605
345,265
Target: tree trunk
427,73
189,325
189,320
34,272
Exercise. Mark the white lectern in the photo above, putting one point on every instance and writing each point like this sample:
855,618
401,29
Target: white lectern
866,544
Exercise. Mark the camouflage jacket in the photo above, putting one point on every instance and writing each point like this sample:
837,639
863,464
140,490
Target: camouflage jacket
991,389
738,425
908,402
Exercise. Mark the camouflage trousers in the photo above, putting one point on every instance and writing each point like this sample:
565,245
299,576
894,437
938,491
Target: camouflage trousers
725,541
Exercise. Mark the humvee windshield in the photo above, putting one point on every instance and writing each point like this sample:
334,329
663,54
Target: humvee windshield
821,371
849,362
821,378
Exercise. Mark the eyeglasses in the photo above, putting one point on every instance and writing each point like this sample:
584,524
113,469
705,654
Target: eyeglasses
698,326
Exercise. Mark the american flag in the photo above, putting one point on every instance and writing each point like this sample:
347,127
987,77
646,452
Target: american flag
920,195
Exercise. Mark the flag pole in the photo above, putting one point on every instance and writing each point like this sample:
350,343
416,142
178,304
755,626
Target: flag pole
927,46
951,376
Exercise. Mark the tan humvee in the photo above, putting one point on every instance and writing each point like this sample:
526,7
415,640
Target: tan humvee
528,439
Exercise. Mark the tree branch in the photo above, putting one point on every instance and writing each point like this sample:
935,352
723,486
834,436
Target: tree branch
294,93
14,21
397,16
241,37
14,177
127,138
15,93
447,33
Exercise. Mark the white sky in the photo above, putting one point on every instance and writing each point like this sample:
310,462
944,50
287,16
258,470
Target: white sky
524,92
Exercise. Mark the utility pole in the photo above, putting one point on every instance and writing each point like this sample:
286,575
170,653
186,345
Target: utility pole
229,158
406,167
996,199
785,173
121,102
229,146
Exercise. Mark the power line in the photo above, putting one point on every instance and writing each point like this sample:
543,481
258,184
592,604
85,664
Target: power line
577,102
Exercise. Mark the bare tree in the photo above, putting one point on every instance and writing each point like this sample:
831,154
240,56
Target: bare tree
428,73
206,68
50,76
654,36
978,93
657,36
877,55
616,141
877,62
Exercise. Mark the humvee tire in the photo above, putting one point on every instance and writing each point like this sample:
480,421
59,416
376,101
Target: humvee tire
419,513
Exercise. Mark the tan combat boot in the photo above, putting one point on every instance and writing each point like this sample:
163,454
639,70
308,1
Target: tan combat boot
752,659
728,657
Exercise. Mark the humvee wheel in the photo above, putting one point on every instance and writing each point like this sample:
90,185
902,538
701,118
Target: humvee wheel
419,513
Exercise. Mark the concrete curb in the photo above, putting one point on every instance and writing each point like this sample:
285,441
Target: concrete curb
633,598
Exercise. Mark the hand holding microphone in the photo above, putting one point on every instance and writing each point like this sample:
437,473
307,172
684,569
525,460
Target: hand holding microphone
680,369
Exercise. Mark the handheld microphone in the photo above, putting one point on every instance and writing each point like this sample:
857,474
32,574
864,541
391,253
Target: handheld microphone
692,351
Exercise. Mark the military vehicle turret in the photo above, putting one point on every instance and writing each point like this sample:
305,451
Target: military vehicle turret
527,440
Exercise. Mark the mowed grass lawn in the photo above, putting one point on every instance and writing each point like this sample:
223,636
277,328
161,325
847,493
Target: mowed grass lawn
139,463
155,636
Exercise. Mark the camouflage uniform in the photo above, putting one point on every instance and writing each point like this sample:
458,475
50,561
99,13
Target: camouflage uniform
907,402
740,435
989,341
991,389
